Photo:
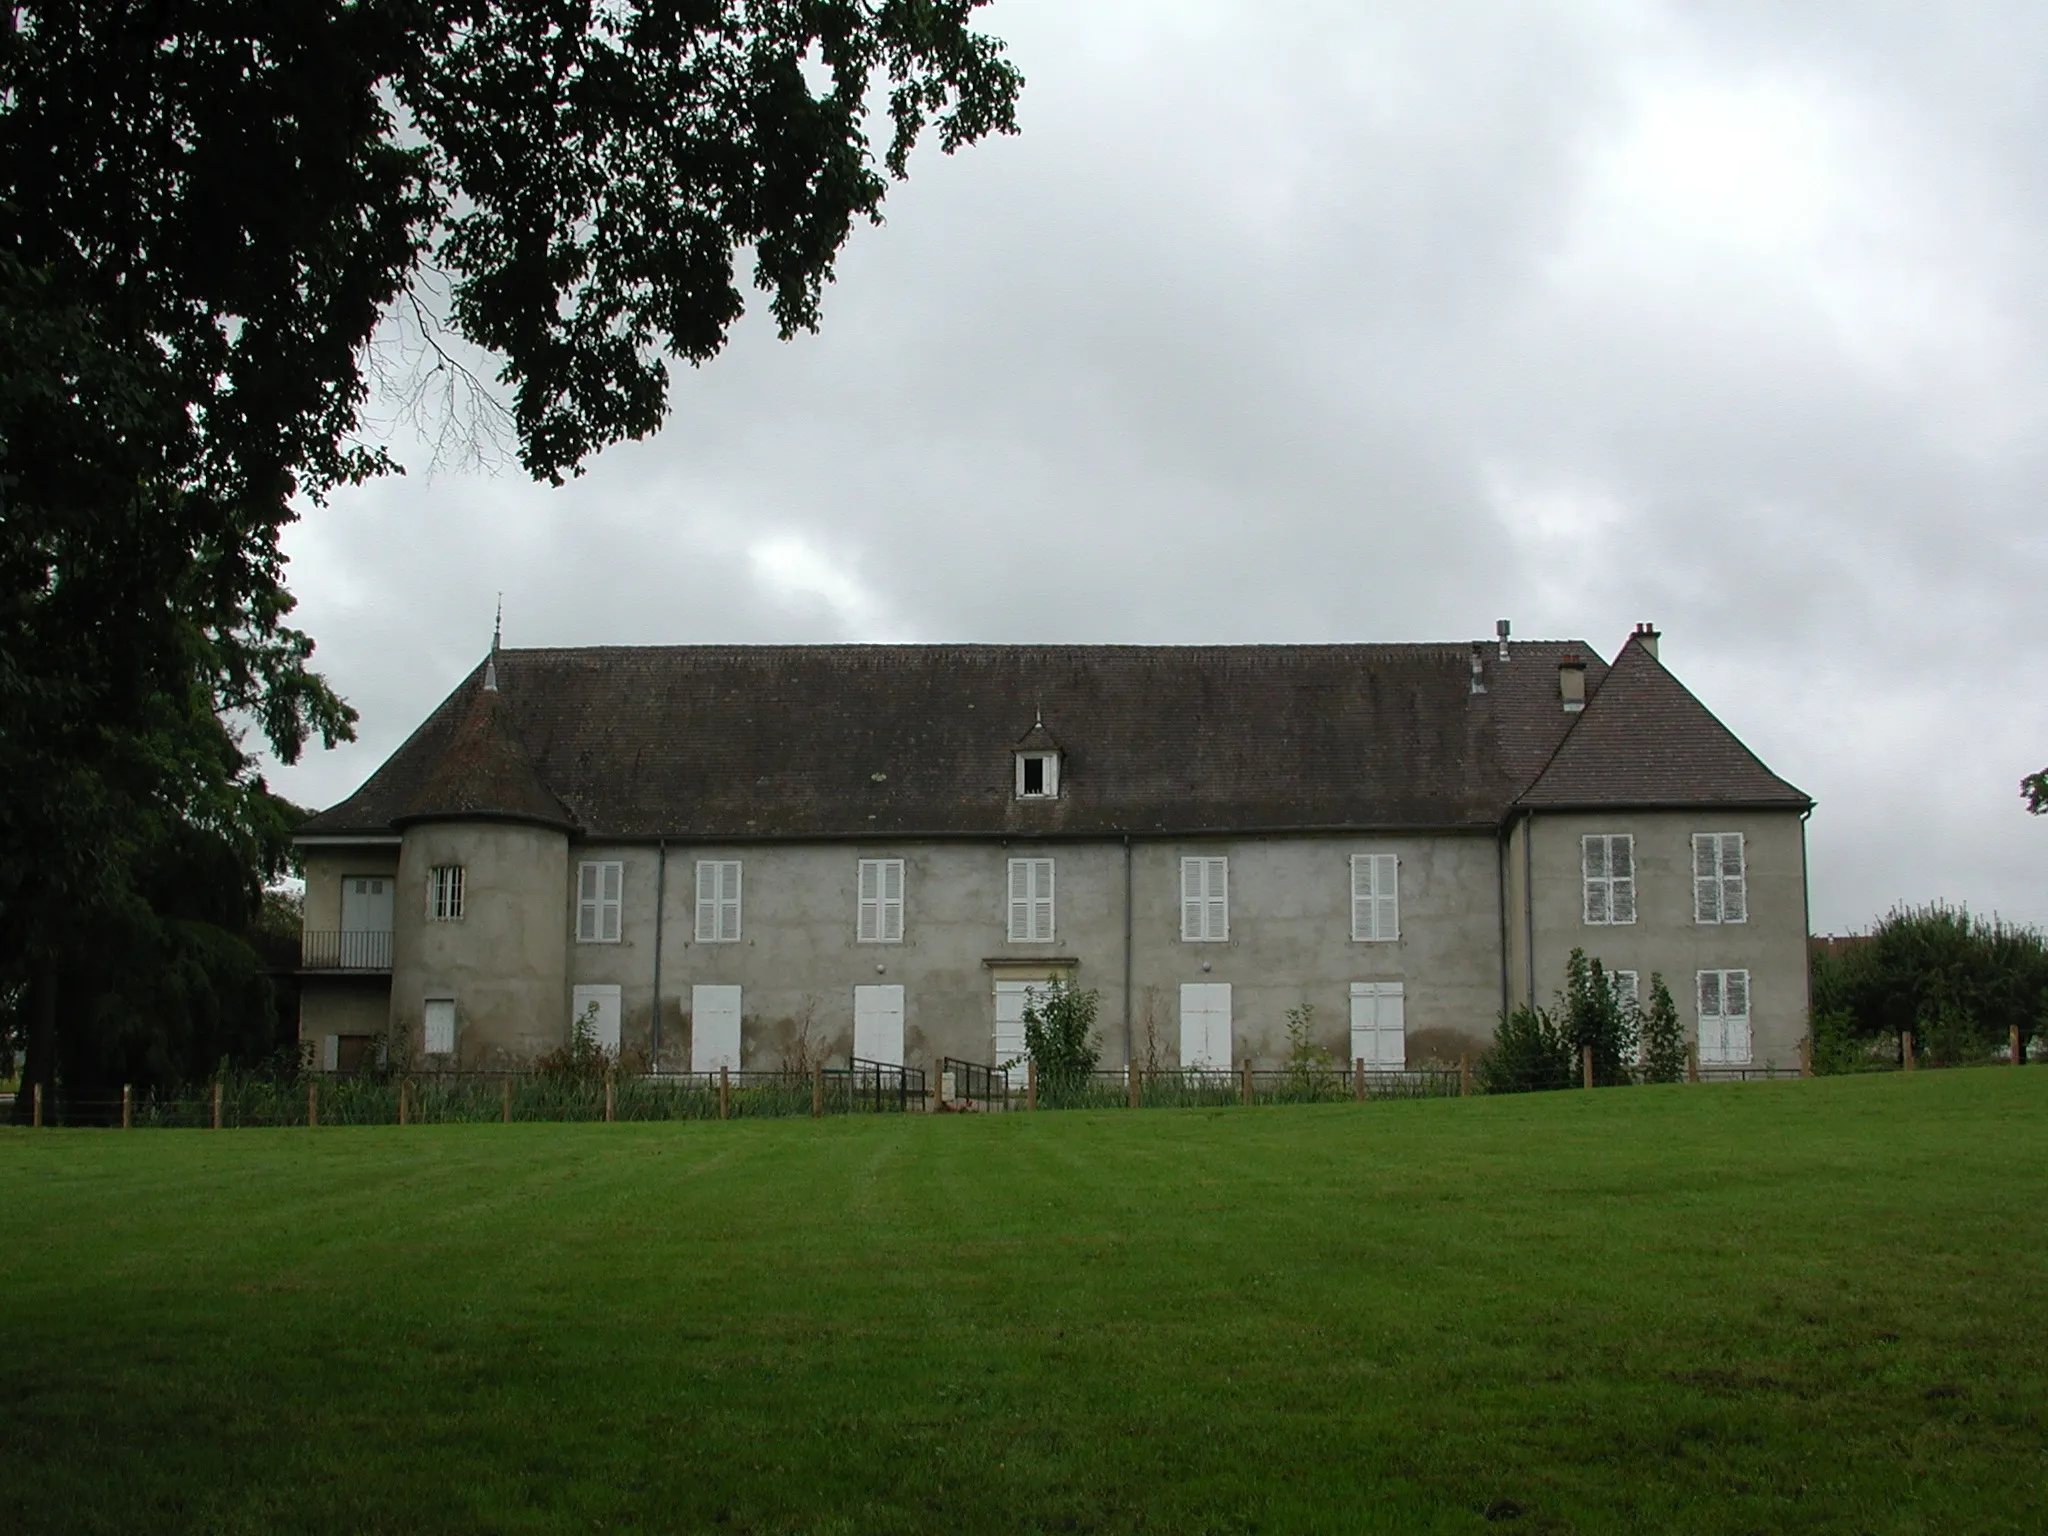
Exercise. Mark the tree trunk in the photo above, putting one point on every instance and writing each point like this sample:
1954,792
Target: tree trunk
40,1062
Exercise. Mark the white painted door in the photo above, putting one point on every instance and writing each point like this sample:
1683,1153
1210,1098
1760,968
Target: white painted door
366,921
1379,1028
440,1027
604,1021
878,1024
1205,1025
714,1029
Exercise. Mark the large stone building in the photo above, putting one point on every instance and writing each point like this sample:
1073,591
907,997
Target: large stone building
756,855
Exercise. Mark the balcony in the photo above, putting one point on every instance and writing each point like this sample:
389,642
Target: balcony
357,950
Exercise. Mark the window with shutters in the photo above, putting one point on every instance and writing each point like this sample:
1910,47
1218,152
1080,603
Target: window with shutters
1205,900
1375,897
1038,775
880,918
1724,1017
600,889
718,901
1031,901
1625,986
1610,864
439,1031
1720,881
444,893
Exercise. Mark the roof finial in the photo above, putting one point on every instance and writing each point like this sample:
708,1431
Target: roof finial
491,664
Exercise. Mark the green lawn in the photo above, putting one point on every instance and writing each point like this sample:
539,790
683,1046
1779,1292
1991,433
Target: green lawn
1777,1307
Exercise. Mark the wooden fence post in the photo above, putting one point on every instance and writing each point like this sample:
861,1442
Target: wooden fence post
1247,1093
2017,1057
1358,1078
216,1104
1692,1062
1135,1085
127,1106
724,1091
611,1109
1586,1064
404,1096
818,1091
1906,1047
1806,1055
508,1101
1464,1074
1031,1083
39,1105
312,1102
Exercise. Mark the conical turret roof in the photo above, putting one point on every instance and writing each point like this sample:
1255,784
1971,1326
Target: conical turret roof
482,772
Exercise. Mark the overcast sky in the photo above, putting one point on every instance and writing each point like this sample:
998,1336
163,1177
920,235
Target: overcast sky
1298,321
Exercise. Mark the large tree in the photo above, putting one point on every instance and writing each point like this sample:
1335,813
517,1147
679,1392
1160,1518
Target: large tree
209,208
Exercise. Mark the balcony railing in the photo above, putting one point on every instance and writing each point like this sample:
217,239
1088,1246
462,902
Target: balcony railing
358,950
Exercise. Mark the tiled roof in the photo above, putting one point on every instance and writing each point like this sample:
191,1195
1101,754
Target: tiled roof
709,742
1644,741
479,771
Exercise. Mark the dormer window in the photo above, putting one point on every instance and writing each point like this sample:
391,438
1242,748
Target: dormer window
1038,775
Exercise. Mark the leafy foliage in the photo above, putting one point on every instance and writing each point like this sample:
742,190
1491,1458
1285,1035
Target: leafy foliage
1664,1057
1059,1035
210,210
1308,1061
1531,1053
1960,982
1593,1015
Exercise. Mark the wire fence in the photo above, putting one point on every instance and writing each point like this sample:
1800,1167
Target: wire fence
859,1087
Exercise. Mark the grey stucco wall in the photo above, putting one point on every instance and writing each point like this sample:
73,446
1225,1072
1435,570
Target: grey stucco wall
798,959
1771,944
506,962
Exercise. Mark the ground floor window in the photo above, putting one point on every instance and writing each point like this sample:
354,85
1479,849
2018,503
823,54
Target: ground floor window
1724,1017
1379,1025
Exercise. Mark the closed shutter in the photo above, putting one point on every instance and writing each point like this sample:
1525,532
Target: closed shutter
1205,899
1593,851
1734,881
611,897
1735,1012
718,901
714,1029
892,901
868,925
1205,1026
1375,897
1621,865
1706,878
1713,1034
586,902
1031,907
1011,996
440,1021
599,889
1379,1026
878,1024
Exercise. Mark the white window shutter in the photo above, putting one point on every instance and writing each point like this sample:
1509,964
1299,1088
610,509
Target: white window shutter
1191,872
1020,899
1041,904
1593,852
707,901
1706,878
892,901
1385,896
611,893
729,903
868,905
1734,880
1219,899
1361,896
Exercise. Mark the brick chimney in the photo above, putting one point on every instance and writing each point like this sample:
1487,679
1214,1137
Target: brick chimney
1571,682
1647,637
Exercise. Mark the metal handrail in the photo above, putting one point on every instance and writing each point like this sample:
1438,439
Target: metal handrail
346,949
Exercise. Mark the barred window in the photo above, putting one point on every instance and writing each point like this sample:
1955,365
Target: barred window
444,893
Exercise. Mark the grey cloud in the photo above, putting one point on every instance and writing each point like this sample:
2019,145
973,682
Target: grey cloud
1291,322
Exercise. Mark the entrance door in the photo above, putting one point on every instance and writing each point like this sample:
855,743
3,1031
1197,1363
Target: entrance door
1205,1025
366,922
604,1020
714,1029
1379,1027
878,1024
1011,999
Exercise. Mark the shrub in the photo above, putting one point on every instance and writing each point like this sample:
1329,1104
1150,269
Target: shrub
1593,1015
1059,1035
1959,981
1529,1053
1663,1036
1308,1063
582,1060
